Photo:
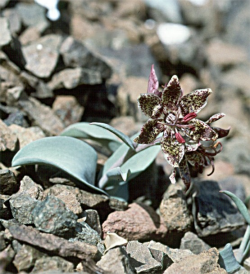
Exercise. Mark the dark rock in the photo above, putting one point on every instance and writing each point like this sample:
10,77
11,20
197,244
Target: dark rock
72,78
54,244
21,207
8,183
8,141
161,257
213,212
45,52
5,212
5,35
42,116
52,263
52,216
192,242
2,241
26,257
117,205
6,256
68,109
174,210
93,220
116,261
75,54
14,20
141,258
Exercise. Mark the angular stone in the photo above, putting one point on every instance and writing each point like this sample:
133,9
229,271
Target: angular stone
67,109
30,35
246,263
72,78
6,256
192,242
161,257
3,3
5,35
206,262
42,116
13,95
93,220
52,216
213,212
75,54
54,244
51,264
2,241
115,261
26,135
8,183
138,222
26,257
142,259
174,210
5,212
45,52
8,141
14,20
29,187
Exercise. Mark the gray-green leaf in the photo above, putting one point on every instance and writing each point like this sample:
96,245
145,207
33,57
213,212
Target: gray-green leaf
73,156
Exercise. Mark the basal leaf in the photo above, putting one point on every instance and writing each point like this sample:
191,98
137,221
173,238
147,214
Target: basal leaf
227,259
118,133
86,131
73,156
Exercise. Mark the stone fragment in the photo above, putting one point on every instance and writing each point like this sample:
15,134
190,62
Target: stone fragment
246,263
67,109
142,260
30,35
51,264
75,54
14,20
52,243
6,256
5,35
8,140
138,222
192,242
26,135
72,78
13,95
93,220
2,241
161,257
213,212
42,116
116,261
52,216
3,3
8,183
206,262
174,210
26,257
29,187
45,52
5,212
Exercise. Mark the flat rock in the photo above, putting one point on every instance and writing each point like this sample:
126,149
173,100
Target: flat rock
174,210
52,216
115,261
8,183
213,212
14,20
52,243
42,116
138,222
5,34
29,187
192,242
45,52
8,141
141,258
72,78
206,262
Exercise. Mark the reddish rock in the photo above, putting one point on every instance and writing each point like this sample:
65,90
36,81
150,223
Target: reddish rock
138,222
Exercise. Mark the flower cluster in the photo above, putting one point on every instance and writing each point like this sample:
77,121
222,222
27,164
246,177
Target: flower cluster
184,137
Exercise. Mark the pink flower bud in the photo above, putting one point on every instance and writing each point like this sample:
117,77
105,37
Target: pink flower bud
189,117
179,138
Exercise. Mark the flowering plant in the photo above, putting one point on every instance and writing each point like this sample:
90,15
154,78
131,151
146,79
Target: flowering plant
185,139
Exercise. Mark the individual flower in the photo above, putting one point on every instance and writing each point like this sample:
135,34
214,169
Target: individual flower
174,115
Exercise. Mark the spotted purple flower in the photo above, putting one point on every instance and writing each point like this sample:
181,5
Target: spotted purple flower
174,115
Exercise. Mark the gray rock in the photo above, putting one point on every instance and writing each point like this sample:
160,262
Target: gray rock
174,210
14,20
5,212
141,258
93,220
2,241
21,206
75,54
17,118
115,261
192,242
72,78
6,256
52,243
45,52
29,187
52,263
161,257
8,141
3,3
52,216
42,116
5,35
213,212
26,257
8,183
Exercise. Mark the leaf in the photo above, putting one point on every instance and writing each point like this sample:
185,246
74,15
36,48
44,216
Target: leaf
73,156
118,133
227,259
95,133
240,205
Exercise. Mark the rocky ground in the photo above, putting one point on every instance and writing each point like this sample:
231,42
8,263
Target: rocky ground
91,65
